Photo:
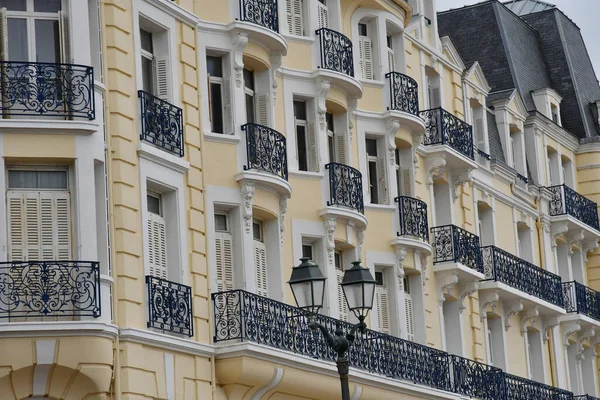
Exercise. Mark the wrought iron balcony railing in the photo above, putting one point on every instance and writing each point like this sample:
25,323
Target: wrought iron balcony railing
441,127
49,289
169,306
585,397
345,187
567,201
336,51
453,244
581,299
501,266
260,12
243,316
44,89
404,93
413,217
162,123
266,150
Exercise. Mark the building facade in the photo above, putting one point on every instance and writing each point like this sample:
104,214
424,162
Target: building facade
192,152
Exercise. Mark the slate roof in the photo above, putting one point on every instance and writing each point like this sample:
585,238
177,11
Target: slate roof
523,7
496,151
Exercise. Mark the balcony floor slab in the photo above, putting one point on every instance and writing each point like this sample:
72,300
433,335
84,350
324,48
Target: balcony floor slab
412,242
49,126
348,84
271,39
464,273
508,293
269,181
583,320
341,213
575,225
454,159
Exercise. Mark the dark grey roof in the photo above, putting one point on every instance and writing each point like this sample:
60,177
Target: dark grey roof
500,95
523,7
496,151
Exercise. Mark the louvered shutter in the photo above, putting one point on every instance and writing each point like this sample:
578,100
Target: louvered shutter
313,155
262,106
435,98
383,316
410,328
550,177
224,256
161,68
65,43
366,57
289,12
490,346
157,246
55,226
512,151
227,108
294,17
480,134
323,15
16,225
342,305
260,266
406,182
391,60
340,144
3,35
381,181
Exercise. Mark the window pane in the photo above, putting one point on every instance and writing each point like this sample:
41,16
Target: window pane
153,204
256,231
301,145
47,42
50,6
371,147
389,41
147,80
248,79
221,223
249,109
214,66
379,278
329,119
362,29
337,260
300,110
146,39
14,5
216,108
406,285
373,182
17,39
37,180
331,145
307,251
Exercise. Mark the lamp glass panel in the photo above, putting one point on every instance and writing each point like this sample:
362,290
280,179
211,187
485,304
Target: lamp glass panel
303,294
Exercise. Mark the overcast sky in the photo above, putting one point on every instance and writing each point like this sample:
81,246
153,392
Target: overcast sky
584,13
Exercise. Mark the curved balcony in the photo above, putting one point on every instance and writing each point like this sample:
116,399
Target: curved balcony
581,299
169,306
457,250
336,62
47,90
530,281
576,209
404,100
259,19
413,226
162,123
68,289
345,194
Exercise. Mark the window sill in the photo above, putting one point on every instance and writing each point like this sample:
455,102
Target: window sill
372,83
221,138
298,39
306,175
163,158
380,207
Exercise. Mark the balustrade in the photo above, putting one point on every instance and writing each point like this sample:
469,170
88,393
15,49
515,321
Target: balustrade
441,127
266,150
169,306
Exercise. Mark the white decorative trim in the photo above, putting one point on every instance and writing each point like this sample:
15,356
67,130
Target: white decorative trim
488,299
44,359
357,392
568,330
459,180
513,309
283,206
446,285
584,336
160,157
221,138
392,127
176,11
49,127
167,342
547,327
247,195
170,376
557,230
435,167
529,318
48,328
276,61
322,90
467,290
360,238
330,237
277,377
239,42
400,254
352,105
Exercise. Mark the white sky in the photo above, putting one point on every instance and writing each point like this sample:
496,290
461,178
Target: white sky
584,13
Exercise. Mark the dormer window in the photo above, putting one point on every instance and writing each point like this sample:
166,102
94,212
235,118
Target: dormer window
433,89
555,113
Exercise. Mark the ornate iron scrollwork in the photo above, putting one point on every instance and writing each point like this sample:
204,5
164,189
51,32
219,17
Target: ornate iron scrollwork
169,306
516,387
266,150
30,88
49,288
162,123
260,12
345,187
404,93
336,51
453,244
413,217
581,299
567,201
441,127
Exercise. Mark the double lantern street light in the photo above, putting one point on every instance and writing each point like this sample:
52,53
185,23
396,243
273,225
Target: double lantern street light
308,287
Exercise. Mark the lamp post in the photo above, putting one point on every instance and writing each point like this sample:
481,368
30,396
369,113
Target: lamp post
308,287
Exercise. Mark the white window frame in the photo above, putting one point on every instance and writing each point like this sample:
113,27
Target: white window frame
252,94
216,80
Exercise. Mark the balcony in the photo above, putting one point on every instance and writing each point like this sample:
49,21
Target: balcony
258,20
567,202
404,100
506,272
336,51
581,299
449,137
413,226
260,12
47,90
585,397
244,317
345,195
49,289
162,123
457,250
169,306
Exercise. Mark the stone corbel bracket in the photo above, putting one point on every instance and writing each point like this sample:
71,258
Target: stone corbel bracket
568,330
330,237
239,41
529,319
392,128
584,336
283,206
459,180
435,167
513,309
322,90
488,300
400,256
548,325
247,195
445,286
557,230
276,61
352,105
575,240
589,246
360,238
467,290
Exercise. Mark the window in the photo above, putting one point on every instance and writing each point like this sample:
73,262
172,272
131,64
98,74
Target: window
147,61
215,81
335,142
525,242
409,309
39,215
479,128
339,269
382,302
485,224
307,251
365,52
376,172
390,53
223,253
155,63
490,343
157,236
260,259
404,171
536,360
294,9
249,92
322,14
554,113
306,143
433,90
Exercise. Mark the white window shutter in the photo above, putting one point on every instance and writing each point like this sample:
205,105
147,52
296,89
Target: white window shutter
480,132
366,57
294,17
289,12
391,60
313,155
157,246
16,226
381,181
406,177
323,15
340,144
228,128
55,226
262,107
65,43
224,256
32,226
161,68
435,97
260,266
549,166
383,316
512,152
410,327
3,35
342,305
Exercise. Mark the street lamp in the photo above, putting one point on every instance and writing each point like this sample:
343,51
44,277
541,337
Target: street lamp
308,287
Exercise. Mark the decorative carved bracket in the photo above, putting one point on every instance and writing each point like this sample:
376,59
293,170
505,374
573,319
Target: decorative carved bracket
417,139
330,237
545,225
247,195
460,179
584,336
423,258
239,41
283,205
548,325
488,299
360,238
568,330
575,240
322,90
467,290
589,246
392,128
276,62
352,105
513,309
435,167
529,318
400,256
446,285
557,230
